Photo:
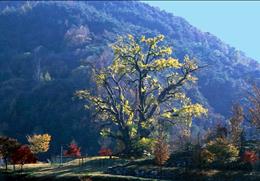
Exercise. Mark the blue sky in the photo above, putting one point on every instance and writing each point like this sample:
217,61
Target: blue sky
235,22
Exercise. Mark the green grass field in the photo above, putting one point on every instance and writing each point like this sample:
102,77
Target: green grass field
91,169
95,168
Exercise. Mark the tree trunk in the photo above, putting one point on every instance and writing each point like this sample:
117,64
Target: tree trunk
128,148
5,160
127,142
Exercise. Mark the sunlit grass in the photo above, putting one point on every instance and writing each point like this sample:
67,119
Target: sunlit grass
96,169
77,167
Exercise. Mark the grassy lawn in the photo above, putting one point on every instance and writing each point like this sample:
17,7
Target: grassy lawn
95,168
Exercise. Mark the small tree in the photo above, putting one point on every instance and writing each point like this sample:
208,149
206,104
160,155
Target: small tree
23,155
221,150
250,157
7,148
236,121
39,143
254,110
161,151
73,150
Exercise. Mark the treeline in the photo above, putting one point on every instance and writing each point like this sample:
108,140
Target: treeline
11,151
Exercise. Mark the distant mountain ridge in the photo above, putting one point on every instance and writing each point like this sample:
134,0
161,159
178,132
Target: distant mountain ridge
43,47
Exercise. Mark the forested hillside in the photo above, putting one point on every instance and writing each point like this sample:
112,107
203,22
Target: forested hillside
45,46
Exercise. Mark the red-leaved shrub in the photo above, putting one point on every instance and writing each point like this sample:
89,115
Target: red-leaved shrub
249,157
105,152
23,155
73,150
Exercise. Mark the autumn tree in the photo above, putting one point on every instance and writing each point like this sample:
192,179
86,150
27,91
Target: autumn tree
23,155
254,110
250,157
39,143
161,150
219,150
7,148
74,150
236,121
143,84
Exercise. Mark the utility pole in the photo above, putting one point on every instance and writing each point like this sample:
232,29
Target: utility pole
61,154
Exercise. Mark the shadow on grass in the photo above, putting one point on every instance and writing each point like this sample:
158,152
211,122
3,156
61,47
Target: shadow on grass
69,170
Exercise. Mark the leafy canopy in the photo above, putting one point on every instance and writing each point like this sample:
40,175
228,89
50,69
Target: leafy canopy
39,143
143,84
8,146
220,150
23,155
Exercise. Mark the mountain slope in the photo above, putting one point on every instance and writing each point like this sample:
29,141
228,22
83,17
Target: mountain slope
44,46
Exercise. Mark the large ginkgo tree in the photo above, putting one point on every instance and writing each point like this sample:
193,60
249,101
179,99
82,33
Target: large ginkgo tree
143,85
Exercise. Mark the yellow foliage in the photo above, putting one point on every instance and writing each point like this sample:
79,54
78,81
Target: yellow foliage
146,143
194,110
165,63
100,78
221,149
186,111
189,63
140,84
207,156
39,143
166,50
